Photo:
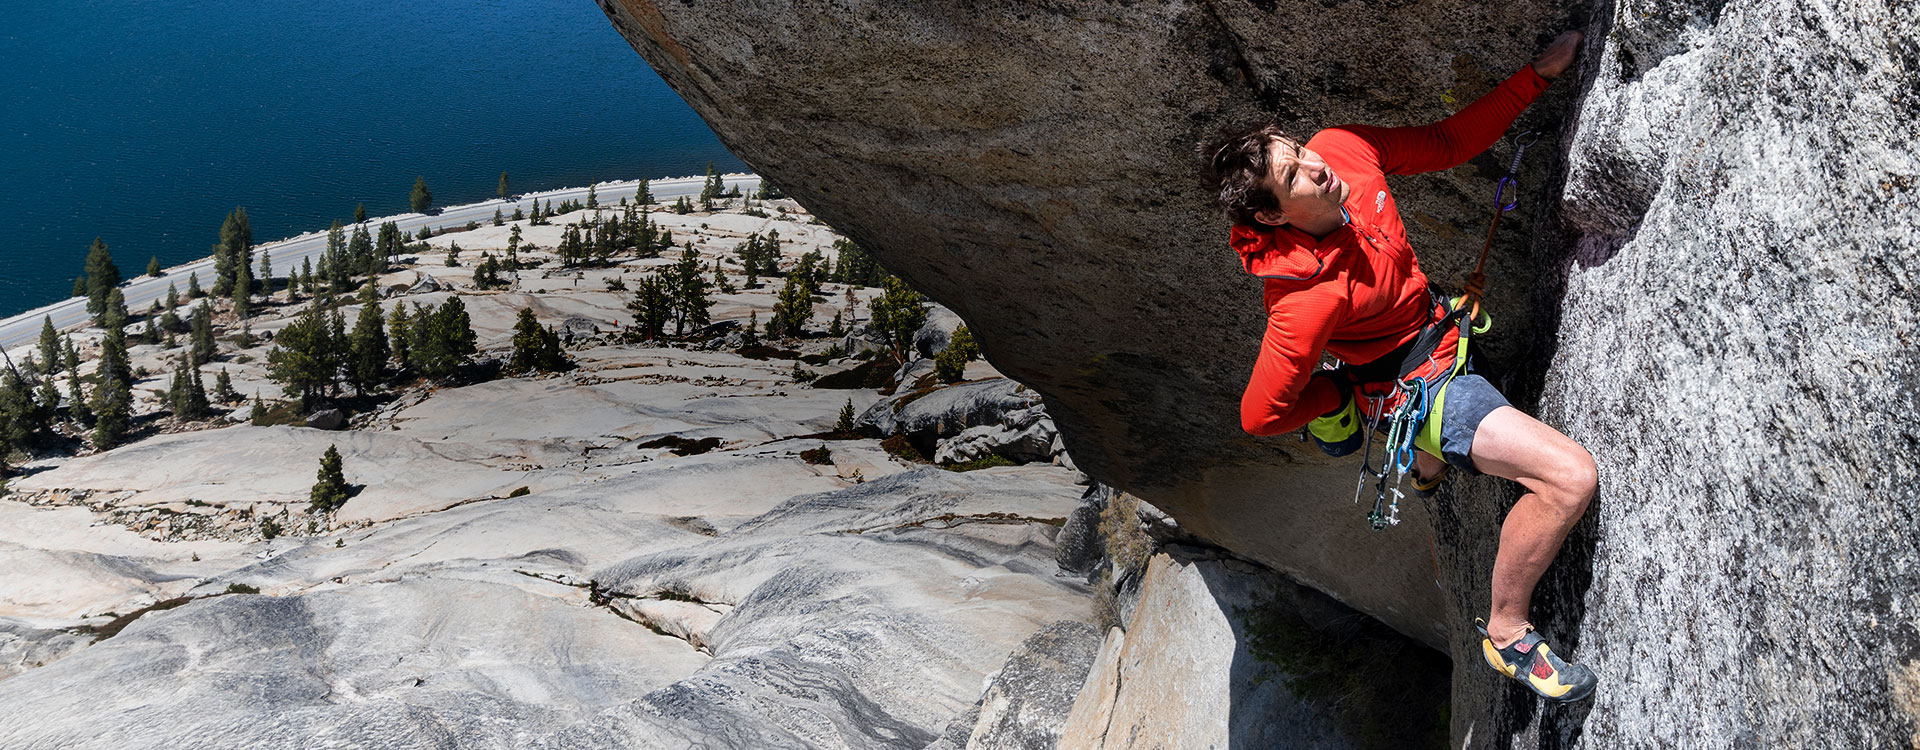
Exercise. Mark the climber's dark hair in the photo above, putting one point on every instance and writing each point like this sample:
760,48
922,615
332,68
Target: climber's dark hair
1236,170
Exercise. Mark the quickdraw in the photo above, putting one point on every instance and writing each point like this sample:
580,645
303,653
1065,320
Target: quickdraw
1417,395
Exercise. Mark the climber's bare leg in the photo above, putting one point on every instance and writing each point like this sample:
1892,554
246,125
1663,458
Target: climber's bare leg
1559,478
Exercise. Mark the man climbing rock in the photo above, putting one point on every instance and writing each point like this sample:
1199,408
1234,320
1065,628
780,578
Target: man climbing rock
1316,221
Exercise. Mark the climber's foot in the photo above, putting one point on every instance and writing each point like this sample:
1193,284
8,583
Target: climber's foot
1426,487
1531,661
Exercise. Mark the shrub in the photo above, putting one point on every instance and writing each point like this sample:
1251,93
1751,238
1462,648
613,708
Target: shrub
981,463
820,456
520,492
241,588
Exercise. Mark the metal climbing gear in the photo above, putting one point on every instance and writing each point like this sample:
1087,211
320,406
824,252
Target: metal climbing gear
1417,396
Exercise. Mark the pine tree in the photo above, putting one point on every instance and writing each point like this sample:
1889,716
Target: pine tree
682,207
513,248
243,292
330,486
399,334
114,317
898,314
306,276
150,333
19,415
951,363
691,306
792,308
854,265
536,348
498,220
102,276
339,350
223,387
517,215
360,213
266,274
836,329
48,394
173,299
193,286
421,197
453,255
112,398
711,189
153,266
49,344
185,395
368,344
752,334
501,190
234,251
443,339
301,360
644,194
79,286
203,346
845,424
593,199
720,281
391,242
360,256
652,304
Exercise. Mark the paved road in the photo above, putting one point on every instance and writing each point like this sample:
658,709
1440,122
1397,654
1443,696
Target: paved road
24,329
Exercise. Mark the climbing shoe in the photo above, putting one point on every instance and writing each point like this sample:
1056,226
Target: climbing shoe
1531,661
1426,487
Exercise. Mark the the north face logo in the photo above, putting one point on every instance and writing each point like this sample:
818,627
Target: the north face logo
1380,202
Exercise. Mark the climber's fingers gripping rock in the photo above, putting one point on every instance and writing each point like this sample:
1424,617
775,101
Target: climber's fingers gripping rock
1559,55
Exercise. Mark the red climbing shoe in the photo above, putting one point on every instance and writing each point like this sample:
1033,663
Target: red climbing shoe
1531,661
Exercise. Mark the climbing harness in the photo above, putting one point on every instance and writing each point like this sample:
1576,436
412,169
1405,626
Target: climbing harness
1417,395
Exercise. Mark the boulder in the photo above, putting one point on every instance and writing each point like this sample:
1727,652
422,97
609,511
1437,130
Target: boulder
1020,436
925,416
862,338
424,283
1078,550
575,329
327,419
937,331
1668,291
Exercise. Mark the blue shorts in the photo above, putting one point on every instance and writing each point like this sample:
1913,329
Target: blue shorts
1466,400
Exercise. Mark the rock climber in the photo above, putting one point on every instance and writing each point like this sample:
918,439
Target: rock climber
1315,220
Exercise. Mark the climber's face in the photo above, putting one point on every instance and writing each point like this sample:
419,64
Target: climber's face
1303,184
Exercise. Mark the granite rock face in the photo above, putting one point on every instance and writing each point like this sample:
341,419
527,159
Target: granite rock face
1710,283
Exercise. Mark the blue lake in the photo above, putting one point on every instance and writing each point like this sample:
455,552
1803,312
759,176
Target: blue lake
144,122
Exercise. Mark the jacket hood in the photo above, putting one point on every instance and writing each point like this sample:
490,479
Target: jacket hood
1272,253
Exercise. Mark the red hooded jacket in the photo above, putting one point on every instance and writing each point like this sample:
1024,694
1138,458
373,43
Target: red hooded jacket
1357,293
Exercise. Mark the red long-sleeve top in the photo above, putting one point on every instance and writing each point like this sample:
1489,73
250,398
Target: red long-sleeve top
1357,293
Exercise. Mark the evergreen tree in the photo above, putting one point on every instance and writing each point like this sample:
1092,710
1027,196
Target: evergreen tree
330,486
854,265
243,292
113,397
398,333
193,286
20,417
360,213
302,359
453,255
443,339
951,363
513,248
421,197
153,266
336,242
114,317
173,299
185,395
644,194
769,191
203,347
711,189
498,220
339,349
720,281
49,344
792,308
537,219
391,242
690,303
102,276
368,344
501,189
845,424
234,252
150,334
836,329
79,286
266,274
536,348
682,207
593,199
898,314
517,215
222,387
752,337
652,304
48,395
360,255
